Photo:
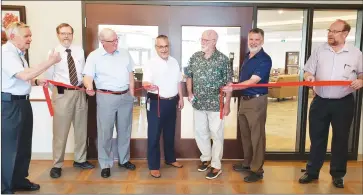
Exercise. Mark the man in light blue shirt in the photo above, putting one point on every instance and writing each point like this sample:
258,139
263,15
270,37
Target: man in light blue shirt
16,112
111,68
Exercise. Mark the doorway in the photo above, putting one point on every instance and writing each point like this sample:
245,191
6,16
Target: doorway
183,25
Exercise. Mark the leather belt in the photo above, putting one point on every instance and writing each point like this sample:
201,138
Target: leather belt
248,97
115,92
60,88
11,97
153,96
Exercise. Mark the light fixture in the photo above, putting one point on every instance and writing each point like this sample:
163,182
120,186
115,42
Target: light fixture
281,11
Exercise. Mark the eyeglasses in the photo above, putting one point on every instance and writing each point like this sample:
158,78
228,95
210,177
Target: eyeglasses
162,46
206,40
334,31
64,34
113,41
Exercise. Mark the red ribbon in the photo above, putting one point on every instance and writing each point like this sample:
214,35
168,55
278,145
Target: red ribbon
55,83
282,84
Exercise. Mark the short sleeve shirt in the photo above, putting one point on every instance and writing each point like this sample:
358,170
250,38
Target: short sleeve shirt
208,76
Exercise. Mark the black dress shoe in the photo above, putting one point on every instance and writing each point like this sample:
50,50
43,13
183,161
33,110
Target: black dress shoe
307,178
27,187
105,173
83,165
253,177
55,172
127,165
338,182
240,168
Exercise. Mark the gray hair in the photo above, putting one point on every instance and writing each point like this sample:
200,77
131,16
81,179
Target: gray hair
13,28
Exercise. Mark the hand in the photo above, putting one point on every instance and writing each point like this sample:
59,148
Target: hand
90,92
228,88
357,84
226,110
42,82
181,104
151,87
190,97
310,78
54,57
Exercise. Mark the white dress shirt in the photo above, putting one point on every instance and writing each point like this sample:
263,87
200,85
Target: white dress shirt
165,74
60,72
13,62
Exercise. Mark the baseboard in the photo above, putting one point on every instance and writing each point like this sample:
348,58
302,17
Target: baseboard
360,157
49,156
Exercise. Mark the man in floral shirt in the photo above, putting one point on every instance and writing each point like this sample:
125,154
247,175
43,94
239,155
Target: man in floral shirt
208,70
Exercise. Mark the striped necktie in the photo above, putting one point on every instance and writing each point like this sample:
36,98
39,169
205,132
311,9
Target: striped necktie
72,69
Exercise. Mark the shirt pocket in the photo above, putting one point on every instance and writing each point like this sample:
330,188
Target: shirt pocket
349,72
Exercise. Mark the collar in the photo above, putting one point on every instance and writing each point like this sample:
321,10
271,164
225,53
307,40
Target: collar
104,52
258,54
63,49
344,49
14,48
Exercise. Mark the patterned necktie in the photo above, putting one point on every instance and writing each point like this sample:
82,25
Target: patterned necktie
72,69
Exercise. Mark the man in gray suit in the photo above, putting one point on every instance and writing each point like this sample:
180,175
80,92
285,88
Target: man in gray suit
112,70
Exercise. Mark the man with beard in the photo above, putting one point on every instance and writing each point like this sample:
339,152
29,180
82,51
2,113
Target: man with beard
112,70
163,73
253,106
208,70
334,60
16,111
70,105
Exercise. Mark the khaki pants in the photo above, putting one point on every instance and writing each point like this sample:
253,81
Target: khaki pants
70,107
252,119
209,126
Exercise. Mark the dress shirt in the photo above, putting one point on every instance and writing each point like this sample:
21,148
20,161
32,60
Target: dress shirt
60,72
13,62
165,74
109,71
326,64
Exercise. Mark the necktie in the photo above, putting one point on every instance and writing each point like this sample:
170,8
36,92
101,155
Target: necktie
72,69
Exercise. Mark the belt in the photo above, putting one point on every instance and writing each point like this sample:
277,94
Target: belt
248,97
65,88
153,96
115,92
347,96
11,97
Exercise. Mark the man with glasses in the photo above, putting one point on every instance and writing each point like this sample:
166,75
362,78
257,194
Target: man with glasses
16,111
70,105
334,60
111,68
208,70
162,74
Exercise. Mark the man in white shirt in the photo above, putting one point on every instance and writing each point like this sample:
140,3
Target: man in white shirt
163,73
70,105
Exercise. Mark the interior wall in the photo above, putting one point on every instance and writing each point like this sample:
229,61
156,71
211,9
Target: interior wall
43,18
43,24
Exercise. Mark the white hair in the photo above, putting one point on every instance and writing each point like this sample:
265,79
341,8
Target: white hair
13,28
106,33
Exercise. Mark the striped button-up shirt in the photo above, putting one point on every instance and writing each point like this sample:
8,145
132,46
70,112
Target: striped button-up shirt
326,64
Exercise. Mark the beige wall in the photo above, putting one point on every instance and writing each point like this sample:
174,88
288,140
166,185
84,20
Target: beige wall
43,17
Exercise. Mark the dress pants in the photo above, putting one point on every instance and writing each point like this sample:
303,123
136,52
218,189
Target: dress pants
156,125
338,112
16,143
113,110
70,106
208,125
252,120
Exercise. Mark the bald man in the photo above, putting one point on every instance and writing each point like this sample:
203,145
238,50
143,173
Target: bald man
111,68
334,60
208,70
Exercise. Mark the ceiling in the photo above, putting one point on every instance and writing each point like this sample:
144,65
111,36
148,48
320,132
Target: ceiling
292,19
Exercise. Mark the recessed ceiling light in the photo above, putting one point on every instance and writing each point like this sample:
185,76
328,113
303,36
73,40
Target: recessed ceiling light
280,11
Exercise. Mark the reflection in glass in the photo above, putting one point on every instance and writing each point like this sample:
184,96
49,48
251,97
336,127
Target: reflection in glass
140,42
283,42
228,42
321,22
